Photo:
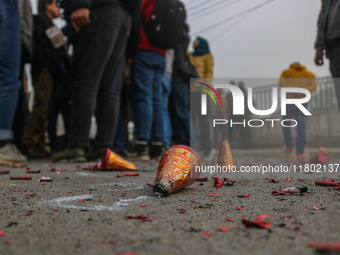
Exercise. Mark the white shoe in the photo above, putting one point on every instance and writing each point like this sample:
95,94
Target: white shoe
11,156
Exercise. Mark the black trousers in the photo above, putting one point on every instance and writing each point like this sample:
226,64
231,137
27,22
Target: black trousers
334,66
99,49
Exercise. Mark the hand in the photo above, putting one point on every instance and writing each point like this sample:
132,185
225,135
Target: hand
80,18
318,58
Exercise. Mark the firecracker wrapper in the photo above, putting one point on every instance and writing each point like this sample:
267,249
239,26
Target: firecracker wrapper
225,157
176,170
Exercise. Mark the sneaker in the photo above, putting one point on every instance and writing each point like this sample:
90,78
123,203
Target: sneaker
75,154
95,154
11,156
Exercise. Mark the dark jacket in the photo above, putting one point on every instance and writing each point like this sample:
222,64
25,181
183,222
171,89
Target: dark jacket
182,67
45,55
72,5
328,24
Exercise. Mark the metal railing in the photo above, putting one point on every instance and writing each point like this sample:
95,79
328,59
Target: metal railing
323,98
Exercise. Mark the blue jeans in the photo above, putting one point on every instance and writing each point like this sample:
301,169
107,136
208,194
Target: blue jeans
167,123
294,113
9,65
147,72
183,130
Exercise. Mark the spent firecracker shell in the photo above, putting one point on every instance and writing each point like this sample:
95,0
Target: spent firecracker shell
176,170
112,161
4,172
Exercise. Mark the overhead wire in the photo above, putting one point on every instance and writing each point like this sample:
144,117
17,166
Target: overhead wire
248,11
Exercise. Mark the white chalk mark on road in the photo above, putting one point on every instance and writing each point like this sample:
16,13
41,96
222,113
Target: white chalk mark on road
60,202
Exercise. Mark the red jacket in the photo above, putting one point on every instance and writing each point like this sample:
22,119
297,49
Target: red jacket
146,10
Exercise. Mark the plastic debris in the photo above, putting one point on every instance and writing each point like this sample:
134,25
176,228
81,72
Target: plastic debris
45,179
258,222
176,170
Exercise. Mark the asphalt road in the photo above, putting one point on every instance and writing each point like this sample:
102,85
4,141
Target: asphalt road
85,212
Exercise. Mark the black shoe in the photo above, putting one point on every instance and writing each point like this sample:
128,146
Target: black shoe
142,153
156,150
96,153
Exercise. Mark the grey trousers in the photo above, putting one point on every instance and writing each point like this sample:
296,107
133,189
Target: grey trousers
334,66
99,49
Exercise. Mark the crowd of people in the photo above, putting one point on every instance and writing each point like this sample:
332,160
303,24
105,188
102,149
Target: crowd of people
115,62
103,63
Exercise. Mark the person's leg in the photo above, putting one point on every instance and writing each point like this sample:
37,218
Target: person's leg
301,132
9,66
287,133
110,88
9,80
143,75
94,47
34,132
166,82
334,66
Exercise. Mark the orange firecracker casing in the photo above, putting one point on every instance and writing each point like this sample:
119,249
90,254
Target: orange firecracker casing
225,157
176,170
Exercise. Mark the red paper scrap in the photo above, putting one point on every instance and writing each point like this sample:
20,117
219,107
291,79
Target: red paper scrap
229,219
8,242
127,174
301,180
325,246
239,208
142,217
278,193
143,205
258,222
288,180
30,195
29,213
202,179
207,234
21,178
245,196
183,211
4,172
317,209
218,183
225,229
2,233
107,242
326,183
214,195
33,171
